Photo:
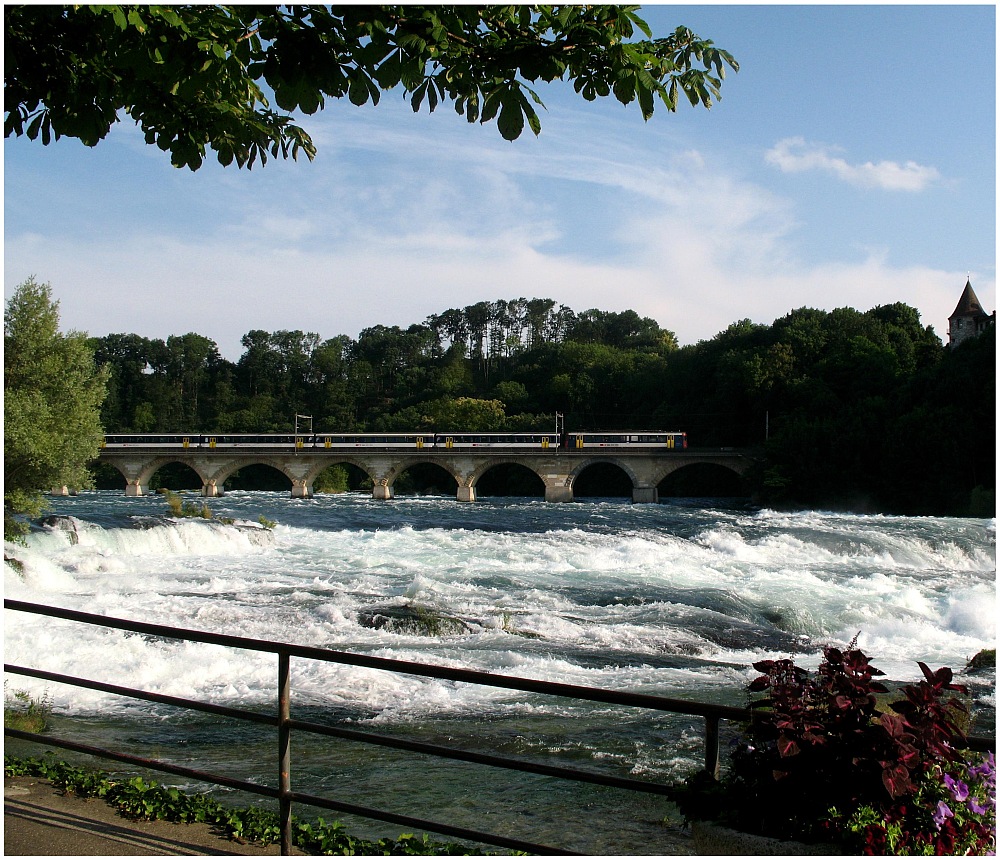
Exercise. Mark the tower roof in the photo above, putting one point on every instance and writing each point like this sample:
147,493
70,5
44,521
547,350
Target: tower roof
968,305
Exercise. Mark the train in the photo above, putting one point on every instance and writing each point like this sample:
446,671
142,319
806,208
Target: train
516,441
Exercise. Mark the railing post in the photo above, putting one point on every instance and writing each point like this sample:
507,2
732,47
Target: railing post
712,745
284,753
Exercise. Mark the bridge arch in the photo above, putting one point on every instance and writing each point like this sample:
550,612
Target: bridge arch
703,479
217,479
385,481
508,476
614,469
484,466
321,466
138,476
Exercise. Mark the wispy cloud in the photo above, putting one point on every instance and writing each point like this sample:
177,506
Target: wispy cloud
398,220
795,155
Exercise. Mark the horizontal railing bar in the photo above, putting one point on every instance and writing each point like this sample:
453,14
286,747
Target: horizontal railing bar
481,758
980,743
348,734
152,764
469,676
131,692
421,824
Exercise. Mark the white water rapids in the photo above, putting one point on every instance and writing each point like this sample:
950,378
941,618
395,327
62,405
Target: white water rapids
671,599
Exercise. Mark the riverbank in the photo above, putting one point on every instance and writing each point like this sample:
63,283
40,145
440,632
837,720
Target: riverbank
41,820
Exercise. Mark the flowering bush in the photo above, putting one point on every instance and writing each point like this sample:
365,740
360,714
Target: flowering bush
953,812
821,762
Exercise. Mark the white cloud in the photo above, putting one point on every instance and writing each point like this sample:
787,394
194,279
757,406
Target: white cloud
794,155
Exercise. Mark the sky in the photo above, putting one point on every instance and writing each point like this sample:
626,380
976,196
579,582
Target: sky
850,163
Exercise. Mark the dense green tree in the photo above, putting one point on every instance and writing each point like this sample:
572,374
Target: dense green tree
52,399
129,358
625,330
195,77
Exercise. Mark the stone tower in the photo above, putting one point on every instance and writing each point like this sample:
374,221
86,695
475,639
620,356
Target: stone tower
969,318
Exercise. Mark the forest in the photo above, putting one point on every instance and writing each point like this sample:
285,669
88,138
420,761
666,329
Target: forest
842,409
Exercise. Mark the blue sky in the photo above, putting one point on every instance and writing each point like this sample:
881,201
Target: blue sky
851,162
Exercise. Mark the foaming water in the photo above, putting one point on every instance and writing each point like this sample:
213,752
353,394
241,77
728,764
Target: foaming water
671,599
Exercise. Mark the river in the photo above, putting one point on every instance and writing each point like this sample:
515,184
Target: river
675,599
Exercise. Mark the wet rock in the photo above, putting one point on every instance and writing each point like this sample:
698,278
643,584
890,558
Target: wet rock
63,524
412,620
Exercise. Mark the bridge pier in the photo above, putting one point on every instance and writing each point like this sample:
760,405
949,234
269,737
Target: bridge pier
645,495
134,488
210,490
301,490
381,490
558,493
466,494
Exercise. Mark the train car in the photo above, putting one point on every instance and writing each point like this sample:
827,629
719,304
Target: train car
379,440
149,440
671,439
207,440
496,440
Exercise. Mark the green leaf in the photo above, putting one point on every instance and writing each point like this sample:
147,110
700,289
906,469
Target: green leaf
33,127
645,101
418,96
135,19
358,91
639,22
310,100
286,96
389,71
511,120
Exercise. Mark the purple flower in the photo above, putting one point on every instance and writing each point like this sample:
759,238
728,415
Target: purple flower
958,790
941,813
975,807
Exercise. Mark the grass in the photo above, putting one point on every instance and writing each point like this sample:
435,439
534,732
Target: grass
26,713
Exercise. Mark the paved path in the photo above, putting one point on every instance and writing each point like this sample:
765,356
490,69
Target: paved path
39,821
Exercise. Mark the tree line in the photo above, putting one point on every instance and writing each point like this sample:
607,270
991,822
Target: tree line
860,410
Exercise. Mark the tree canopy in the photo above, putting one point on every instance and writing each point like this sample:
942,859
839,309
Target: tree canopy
863,410
195,77
53,394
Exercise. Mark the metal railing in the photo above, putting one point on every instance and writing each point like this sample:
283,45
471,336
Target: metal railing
282,720
284,723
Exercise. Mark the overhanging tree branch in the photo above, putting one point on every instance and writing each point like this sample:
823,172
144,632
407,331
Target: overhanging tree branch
193,77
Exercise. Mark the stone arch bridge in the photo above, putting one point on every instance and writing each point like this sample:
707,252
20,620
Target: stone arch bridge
558,468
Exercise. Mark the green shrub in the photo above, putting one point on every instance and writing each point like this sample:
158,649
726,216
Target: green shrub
181,508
